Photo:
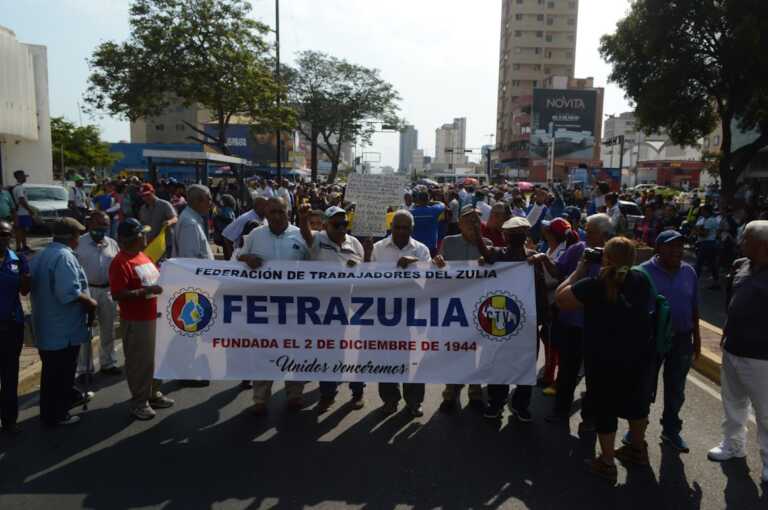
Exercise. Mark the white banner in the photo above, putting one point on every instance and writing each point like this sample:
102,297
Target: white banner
316,321
372,194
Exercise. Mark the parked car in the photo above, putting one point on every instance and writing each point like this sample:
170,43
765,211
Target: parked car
51,202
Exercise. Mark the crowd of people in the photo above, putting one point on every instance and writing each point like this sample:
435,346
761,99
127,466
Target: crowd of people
597,296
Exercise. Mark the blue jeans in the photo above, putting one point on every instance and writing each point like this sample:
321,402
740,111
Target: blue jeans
330,389
707,255
677,363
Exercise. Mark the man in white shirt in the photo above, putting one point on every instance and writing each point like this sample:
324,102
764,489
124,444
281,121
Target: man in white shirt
402,249
281,191
333,244
24,211
484,207
79,202
278,240
265,190
234,230
95,253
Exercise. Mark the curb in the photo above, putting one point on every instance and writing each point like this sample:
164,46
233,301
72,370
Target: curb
29,378
709,363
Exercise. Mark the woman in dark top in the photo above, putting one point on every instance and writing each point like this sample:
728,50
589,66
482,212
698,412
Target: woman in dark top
618,351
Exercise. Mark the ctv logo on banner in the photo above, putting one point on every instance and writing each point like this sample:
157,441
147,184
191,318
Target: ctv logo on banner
191,312
499,316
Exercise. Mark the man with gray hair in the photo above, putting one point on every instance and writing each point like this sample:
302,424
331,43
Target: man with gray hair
404,250
192,229
745,350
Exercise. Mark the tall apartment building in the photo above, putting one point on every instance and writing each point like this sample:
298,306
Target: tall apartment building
450,142
538,40
409,141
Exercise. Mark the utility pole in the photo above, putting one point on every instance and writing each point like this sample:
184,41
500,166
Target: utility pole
551,169
279,157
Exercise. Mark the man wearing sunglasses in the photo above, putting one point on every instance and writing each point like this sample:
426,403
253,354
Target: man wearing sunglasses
333,245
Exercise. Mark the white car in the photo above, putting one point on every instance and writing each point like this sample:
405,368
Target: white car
50,200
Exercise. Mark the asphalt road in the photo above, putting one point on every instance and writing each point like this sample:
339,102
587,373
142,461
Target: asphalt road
210,452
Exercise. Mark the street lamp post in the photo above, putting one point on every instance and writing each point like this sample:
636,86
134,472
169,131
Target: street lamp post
279,156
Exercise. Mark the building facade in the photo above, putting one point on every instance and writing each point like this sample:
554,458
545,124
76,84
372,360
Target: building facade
538,40
25,122
450,143
409,141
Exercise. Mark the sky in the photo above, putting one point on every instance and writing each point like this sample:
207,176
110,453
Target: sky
441,55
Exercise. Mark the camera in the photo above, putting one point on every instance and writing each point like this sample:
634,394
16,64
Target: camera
593,255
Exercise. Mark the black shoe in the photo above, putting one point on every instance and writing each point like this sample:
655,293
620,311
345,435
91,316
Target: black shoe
557,419
522,415
12,429
84,379
448,406
492,412
111,371
477,405
85,397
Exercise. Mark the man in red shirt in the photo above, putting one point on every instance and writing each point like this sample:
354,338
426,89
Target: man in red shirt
133,282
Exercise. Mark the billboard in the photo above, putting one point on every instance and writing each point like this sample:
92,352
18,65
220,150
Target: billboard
572,116
259,148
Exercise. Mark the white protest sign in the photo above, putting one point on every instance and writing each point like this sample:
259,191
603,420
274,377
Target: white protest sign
318,321
372,194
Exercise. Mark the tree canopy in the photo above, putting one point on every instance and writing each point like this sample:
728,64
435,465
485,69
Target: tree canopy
82,146
338,102
206,52
688,65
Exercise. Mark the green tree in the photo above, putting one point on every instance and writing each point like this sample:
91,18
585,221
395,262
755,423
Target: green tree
689,64
79,147
206,52
337,103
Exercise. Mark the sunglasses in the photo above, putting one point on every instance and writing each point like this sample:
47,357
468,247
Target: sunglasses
339,224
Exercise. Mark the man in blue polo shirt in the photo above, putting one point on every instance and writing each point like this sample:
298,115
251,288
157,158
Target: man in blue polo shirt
678,282
14,280
426,219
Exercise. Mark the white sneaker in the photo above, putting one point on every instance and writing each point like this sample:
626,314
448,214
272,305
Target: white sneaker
721,453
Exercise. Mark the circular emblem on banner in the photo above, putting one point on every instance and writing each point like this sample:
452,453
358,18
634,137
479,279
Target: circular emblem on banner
191,312
499,315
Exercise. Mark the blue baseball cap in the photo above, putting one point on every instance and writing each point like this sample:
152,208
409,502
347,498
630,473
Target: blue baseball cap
333,211
573,214
668,236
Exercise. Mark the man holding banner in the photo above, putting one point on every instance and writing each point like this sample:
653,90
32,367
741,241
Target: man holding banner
516,232
401,248
277,240
333,245
454,248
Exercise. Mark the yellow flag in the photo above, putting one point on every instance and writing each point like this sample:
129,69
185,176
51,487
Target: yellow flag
156,248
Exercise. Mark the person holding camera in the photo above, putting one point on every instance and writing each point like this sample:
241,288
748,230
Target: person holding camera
618,352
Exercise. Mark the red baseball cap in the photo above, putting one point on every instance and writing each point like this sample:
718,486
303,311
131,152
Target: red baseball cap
558,226
146,189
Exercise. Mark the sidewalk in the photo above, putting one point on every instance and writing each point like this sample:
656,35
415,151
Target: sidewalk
711,353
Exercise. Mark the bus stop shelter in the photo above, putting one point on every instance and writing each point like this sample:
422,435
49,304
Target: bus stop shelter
203,163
